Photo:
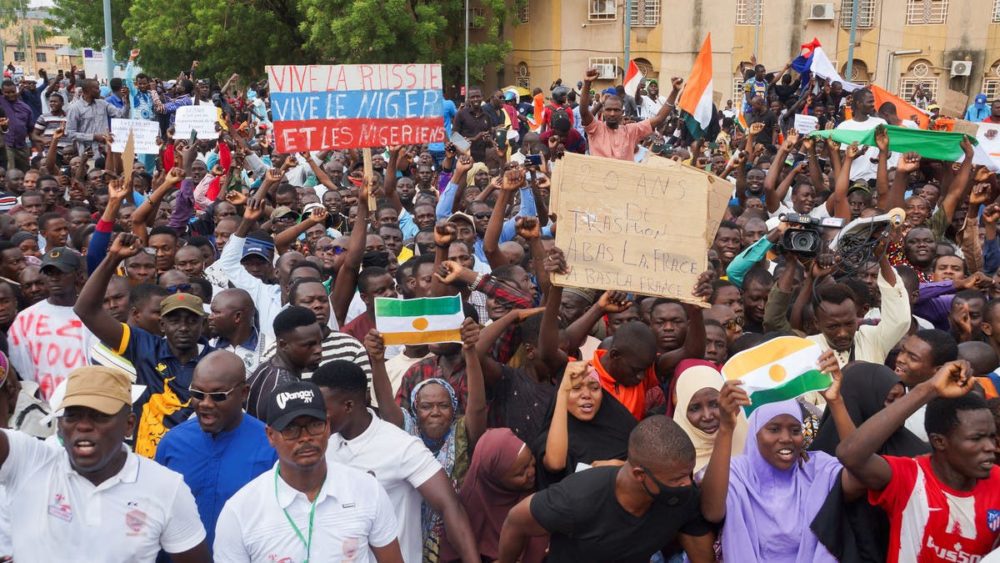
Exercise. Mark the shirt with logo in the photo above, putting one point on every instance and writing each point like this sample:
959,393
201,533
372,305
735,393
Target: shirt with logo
930,521
61,516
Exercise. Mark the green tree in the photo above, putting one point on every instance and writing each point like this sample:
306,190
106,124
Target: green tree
84,20
398,31
244,36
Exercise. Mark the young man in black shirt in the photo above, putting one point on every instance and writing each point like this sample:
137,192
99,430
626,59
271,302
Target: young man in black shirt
619,514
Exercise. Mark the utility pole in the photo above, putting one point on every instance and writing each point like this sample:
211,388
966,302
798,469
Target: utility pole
628,34
109,52
466,94
756,29
850,48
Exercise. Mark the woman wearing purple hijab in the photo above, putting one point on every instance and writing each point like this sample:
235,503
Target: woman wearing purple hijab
770,494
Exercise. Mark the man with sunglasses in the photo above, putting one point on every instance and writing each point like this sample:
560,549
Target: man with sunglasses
306,505
223,448
165,365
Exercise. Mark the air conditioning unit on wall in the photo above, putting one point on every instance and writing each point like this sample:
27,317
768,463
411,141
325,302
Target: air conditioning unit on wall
822,11
961,68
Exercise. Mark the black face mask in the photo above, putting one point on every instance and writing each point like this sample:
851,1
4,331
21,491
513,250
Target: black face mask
670,496
375,258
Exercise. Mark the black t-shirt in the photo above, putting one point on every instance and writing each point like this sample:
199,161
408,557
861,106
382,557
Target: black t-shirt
587,523
769,120
520,403
468,126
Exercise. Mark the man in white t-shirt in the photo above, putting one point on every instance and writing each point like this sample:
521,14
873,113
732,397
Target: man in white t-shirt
306,508
401,462
47,340
864,118
93,499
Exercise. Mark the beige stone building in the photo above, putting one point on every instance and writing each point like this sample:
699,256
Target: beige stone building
952,47
32,51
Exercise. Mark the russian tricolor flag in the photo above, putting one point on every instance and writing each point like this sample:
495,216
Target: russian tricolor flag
813,60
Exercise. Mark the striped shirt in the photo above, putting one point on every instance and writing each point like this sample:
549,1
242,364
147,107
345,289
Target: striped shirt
338,346
46,126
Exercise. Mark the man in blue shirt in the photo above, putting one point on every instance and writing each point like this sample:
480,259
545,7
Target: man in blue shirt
223,448
165,365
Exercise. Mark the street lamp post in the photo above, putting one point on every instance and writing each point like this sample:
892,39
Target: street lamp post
109,52
850,48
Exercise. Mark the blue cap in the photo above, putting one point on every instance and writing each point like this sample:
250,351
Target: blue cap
610,91
980,98
255,247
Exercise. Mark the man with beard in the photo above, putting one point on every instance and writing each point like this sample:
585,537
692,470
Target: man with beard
222,448
299,347
165,365
610,138
91,490
353,515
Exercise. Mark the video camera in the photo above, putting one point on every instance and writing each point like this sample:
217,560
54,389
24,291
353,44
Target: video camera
806,236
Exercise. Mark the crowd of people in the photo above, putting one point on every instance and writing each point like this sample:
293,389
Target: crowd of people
192,369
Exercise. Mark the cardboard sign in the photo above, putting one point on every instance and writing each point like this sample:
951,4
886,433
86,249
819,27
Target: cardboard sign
640,228
201,119
806,124
145,133
988,136
354,106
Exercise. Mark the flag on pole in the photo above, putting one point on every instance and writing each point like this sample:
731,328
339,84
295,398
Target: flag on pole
696,99
426,320
780,369
813,60
633,78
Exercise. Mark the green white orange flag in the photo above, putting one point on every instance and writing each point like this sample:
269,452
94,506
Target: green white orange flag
426,320
780,369
696,99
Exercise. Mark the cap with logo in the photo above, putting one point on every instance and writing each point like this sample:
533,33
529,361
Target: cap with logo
283,211
461,216
257,247
63,259
292,400
182,301
101,388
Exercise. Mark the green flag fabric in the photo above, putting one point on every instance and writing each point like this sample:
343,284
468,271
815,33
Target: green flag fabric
937,145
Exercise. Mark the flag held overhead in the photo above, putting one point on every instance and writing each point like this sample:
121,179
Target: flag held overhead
696,100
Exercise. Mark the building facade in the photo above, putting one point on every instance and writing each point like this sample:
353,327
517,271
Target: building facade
29,44
951,47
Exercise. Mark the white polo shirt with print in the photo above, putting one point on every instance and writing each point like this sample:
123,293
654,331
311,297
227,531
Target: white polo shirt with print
352,512
61,516
401,463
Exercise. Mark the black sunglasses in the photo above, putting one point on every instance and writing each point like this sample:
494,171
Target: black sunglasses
217,396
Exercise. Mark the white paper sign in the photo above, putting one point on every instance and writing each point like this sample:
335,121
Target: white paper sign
199,118
989,140
806,124
145,133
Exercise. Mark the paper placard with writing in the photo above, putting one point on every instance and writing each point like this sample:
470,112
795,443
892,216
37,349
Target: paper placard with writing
201,118
145,133
640,228
806,124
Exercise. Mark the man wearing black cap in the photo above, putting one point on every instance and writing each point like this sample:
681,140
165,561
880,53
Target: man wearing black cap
307,508
92,499
165,365
46,340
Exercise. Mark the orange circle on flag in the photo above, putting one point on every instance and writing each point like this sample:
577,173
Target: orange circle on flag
420,323
777,373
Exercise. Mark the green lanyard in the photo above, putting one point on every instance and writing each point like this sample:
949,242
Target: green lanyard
312,514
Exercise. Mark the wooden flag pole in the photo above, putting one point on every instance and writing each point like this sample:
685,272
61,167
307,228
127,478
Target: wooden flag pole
369,175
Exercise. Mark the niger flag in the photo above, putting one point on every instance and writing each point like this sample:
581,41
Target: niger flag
904,109
696,100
